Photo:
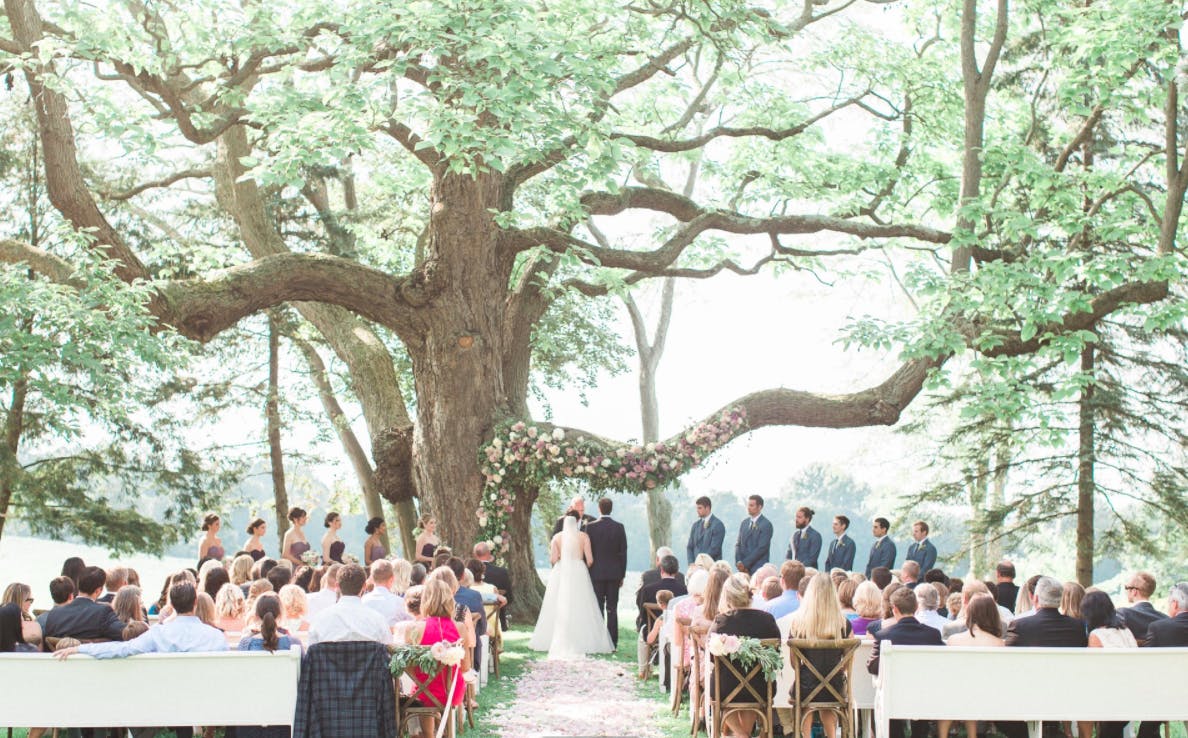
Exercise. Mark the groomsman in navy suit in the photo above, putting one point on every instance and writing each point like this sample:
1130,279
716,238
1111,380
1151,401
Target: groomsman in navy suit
707,534
841,548
753,548
882,551
922,551
805,545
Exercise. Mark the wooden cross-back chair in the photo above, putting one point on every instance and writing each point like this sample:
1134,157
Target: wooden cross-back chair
753,693
494,634
680,671
836,698
652,612
410,706
697,680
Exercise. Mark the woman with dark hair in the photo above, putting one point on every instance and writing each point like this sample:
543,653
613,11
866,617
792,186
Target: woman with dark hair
159,605
304,578
983,628
11,638
211,546
373,547
736,617
254,546
1106,629
268,636
332,547
214,579
295,542
73,568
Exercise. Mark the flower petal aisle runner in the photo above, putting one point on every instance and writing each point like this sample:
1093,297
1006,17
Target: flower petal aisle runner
579,697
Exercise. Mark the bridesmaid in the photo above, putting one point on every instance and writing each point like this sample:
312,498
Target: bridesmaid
255,547
211,547
373,549
295,542
428,541
332,547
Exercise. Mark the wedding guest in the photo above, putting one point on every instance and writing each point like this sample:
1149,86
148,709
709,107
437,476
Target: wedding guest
427,540
983,627
348,619
684,613
662,599
868,607
416,577
1106,630
1141,613
437,609
381,598
254,546
21,595
907,631
258,588
303,577
230,608
128,606
820,618
117,577
269,635
1070,599
12,638
213,580
845,596
293,608
791,574
156,607
402,575
704,616
73,567
211,546
738,618
204,609
62,591
412,601
83,618
295,543
332,546
241,572
373,547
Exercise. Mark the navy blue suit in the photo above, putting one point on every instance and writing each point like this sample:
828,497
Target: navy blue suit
841,554
608,544
706,536
923,554
805,547
882,553
753,548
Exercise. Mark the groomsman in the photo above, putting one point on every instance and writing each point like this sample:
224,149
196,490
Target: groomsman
707,534
841,548
805,545
753,548
882,551
922,551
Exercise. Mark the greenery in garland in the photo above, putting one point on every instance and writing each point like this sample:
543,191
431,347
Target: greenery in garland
530,455
746,652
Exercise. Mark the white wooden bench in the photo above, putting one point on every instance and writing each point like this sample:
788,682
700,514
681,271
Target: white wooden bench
1029,684
156,689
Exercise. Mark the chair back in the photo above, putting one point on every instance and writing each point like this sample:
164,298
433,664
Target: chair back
653,612
801,652
752,693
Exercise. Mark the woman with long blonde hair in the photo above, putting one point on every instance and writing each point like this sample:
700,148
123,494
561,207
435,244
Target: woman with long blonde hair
820,618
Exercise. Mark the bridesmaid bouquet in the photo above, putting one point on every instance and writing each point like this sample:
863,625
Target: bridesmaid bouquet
310,558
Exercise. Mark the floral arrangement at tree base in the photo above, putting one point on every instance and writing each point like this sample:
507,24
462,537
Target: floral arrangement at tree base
523,455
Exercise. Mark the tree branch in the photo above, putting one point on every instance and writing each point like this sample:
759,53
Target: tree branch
196,173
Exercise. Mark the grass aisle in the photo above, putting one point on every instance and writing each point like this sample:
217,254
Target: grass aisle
597,696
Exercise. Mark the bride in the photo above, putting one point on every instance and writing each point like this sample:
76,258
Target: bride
570,624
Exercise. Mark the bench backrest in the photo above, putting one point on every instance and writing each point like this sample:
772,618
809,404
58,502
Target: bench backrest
225,688
935,682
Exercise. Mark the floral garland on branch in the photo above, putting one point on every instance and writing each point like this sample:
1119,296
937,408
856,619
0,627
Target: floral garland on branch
523,455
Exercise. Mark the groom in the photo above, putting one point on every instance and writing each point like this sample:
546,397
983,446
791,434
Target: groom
608,544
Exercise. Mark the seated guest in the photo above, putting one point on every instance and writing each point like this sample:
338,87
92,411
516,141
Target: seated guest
1169,632
982,628
12,638
1141,613
1006,591
667,580
293,608
738,618
906,631
929,600
868,606
230,609
758,579
73,567
1106,630
21,595
204,609
662,599
127,605
257,588
881,576
707,612
771,590
62,591
1070,599
1047,627
967,593
84,618
820,618
117,577
416,576
327,593
791,574
381,598
349,619
845,595
241,572
269,636
888,612
412,602
436,626
953,605
683,614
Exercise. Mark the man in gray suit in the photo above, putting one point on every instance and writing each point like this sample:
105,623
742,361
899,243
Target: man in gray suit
707,533
882,551
753,548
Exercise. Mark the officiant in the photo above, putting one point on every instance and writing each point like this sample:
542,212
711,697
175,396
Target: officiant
579,505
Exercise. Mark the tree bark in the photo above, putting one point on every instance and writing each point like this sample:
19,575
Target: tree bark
976,482
14,425
272,411
1086,460
521,560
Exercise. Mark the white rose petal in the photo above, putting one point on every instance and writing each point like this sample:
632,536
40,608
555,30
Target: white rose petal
558,434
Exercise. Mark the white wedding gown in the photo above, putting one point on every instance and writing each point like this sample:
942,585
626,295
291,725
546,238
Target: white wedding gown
570,624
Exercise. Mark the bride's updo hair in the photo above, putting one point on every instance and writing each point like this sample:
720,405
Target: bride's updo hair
736,594
574,514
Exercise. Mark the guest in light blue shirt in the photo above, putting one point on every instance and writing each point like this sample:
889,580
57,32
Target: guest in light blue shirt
183,634
791,572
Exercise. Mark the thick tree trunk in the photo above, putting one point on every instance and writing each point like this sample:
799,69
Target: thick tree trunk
14,425
520,559
272,411
458,364
1086,487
